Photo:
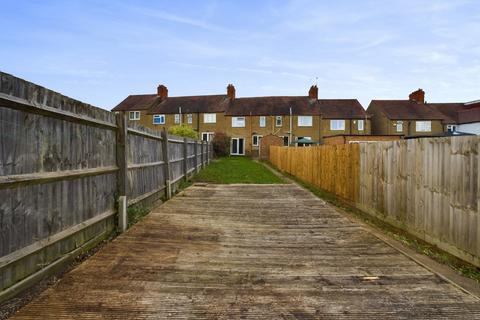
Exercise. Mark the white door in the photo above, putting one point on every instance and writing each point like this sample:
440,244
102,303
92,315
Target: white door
238,146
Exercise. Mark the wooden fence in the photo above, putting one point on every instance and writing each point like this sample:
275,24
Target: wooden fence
332,168
63,166
428,187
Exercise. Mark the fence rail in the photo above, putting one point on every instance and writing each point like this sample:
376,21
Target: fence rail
63,167
428,187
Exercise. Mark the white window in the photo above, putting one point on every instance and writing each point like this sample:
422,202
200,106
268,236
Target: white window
263,121
158,119
238,122
256,140
278,121
337,125
399,126
423,126
207,136
451,127
177,118
304,121
189,118
134,115
360,125
209,118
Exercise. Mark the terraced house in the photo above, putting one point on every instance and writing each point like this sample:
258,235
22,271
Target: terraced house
415,117
247,120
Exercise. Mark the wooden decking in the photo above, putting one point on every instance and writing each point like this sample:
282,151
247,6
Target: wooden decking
250,252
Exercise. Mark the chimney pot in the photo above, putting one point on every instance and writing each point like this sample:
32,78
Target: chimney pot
417,96
313,92
231,91
162,91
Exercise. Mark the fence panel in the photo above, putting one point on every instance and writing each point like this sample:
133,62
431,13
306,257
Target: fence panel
429,187
63,166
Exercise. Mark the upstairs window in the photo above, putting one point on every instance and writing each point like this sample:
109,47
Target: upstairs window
360,125
423,126
278,121
189,118
238,122
263,121
451,127
177,118
209,118
158,119
305,121
399,126
134,115
337,125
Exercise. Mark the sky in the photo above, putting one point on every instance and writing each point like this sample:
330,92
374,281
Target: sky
100,52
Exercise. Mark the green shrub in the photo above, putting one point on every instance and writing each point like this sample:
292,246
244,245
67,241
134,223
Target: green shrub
221,144
183,130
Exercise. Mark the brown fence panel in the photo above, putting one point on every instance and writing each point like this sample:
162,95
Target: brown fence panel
332,168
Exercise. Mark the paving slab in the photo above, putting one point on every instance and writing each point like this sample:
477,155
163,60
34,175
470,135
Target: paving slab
250,252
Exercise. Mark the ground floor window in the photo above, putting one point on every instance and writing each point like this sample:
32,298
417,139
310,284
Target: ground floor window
207,136
189,118
237,146
256,140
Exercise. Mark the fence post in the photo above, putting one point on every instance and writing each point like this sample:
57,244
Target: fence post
166,165
122,136
195,147
202,156
208,152
185,158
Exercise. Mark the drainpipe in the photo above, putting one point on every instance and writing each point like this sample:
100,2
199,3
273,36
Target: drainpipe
180,113
290,134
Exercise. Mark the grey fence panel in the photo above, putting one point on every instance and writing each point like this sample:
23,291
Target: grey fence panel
61,167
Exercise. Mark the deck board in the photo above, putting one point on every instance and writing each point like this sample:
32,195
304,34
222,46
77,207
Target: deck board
249,252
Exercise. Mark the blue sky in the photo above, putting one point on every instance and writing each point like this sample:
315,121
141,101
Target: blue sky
101,51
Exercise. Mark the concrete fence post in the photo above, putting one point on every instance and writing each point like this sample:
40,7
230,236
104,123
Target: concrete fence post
122,161
185,159
202,158
195,147
166,160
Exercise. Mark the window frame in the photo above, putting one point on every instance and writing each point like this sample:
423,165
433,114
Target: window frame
337,121
276,121
189,118
262,120
177,118
134,113
235,122
206,117
259,137
421,126
158,116
451,127
303,124
362,126
209,135
398,124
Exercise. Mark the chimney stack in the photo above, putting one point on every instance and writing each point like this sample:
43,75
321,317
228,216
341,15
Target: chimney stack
313,92
162,91
417,96
231,92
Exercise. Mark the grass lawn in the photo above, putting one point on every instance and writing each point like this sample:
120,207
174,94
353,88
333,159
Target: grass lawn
236,170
